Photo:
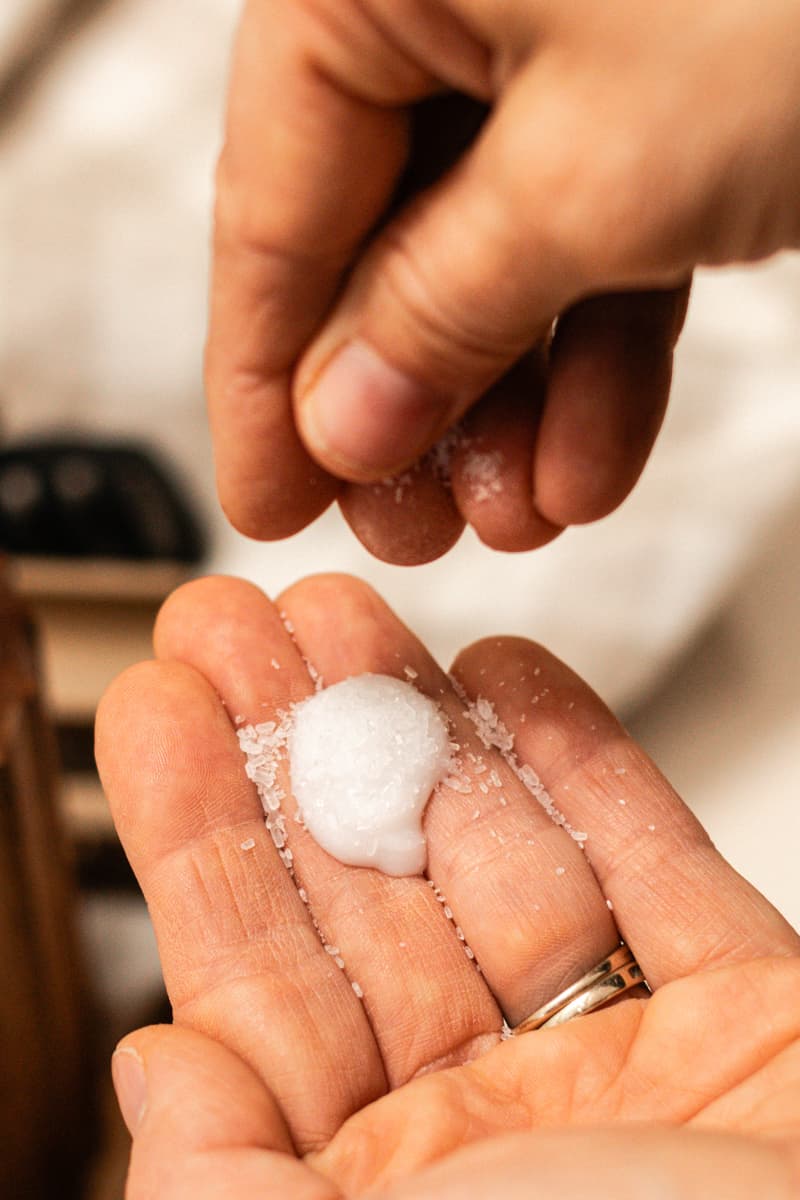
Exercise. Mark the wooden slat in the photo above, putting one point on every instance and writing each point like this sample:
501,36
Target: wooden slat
45,1114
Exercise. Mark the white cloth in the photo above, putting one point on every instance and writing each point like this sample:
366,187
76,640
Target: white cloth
105,190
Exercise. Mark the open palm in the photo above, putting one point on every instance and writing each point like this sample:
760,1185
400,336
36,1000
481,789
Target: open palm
282,1079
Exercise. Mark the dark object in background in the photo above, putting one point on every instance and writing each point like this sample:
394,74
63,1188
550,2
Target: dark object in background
70,498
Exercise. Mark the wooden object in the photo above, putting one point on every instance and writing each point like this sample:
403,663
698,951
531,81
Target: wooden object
45,1105
94,618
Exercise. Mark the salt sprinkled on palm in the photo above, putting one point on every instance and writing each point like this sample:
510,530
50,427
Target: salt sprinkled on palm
365,755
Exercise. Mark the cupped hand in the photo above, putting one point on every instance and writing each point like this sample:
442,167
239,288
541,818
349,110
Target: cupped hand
384,256
283,1078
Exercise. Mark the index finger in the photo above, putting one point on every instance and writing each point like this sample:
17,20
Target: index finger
306,169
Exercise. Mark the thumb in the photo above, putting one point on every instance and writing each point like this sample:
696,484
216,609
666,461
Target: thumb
203,1124
452,292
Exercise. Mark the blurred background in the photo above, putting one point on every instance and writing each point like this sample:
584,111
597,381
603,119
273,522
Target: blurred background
681,609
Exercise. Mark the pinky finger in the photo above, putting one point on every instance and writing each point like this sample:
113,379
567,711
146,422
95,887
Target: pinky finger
203,1124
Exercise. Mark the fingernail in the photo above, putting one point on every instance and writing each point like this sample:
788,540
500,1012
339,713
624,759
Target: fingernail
130,1084
364,413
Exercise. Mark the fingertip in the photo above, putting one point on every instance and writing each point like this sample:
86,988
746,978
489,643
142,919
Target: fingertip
492,462
328,589
174,1081
185,614
408,519
274,507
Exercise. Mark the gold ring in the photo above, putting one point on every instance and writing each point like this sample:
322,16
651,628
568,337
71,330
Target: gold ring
617,973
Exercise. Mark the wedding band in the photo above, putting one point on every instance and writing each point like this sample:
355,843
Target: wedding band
617,973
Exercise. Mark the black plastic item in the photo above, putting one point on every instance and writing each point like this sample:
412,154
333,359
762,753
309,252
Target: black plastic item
70,498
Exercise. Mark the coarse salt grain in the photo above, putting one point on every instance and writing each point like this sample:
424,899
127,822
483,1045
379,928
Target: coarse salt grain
264,744
249,844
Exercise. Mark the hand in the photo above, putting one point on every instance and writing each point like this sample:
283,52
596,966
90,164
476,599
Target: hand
350,327
305,1090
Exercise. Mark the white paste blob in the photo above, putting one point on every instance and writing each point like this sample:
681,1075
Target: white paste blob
365,755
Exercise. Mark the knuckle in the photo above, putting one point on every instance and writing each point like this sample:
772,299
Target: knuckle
453,322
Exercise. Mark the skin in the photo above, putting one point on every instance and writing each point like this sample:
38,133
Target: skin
386,252
276,1080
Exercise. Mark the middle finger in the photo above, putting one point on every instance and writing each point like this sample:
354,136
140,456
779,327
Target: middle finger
517,885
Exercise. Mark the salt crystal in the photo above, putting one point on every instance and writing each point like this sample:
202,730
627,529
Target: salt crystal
339,962
365,756
275,664
489,727
441,453
249,844
448,912
652,828
483,474
357,989
619,771
609,905
457,783
561,870
410,673
622,802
